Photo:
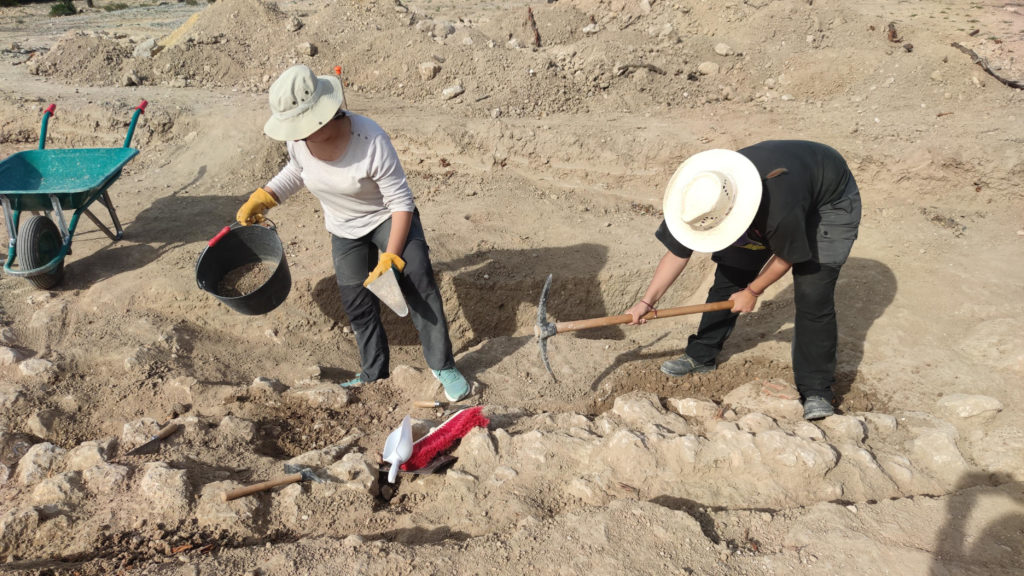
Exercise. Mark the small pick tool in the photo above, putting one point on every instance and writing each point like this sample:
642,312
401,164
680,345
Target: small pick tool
398,448
385,287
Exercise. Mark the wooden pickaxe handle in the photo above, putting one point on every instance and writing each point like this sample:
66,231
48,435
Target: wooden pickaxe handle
626,318
246,490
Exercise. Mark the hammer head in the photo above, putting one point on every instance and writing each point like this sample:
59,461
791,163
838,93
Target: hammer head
307,474
544,329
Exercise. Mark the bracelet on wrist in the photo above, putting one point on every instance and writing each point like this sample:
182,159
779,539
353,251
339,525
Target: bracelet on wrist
648,304
754,292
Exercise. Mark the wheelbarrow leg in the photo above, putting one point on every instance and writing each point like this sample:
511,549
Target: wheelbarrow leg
105,200
12,230
59,213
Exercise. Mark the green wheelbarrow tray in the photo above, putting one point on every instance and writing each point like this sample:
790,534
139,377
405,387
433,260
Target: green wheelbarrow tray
74,175
52,181
57,180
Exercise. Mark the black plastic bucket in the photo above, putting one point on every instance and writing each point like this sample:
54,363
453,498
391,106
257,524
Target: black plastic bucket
237,246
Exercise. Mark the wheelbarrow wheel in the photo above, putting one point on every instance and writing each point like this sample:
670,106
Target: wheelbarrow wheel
39,241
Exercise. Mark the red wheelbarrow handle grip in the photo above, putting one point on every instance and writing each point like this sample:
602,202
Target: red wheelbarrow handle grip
50,109
220,235
142,106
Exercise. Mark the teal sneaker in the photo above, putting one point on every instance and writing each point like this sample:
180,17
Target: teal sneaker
455,386
355,382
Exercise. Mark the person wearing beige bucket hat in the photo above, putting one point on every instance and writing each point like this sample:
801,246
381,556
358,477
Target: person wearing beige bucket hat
348,162
776,207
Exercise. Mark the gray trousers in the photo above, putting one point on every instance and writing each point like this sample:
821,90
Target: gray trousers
353,261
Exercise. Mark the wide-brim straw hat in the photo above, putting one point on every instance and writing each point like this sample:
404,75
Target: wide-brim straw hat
712,199
301,103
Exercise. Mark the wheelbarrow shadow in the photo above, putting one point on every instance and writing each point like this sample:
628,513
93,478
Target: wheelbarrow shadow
172,221
494,294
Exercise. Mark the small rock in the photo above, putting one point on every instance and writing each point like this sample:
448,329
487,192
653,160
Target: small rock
443,30
708,68
308,49
236,430
428,70
969,405
693,408
105,478
145,49
756,423
34,367
38,462
723,49
353,540
841,427
41,423
355,472
329,396
452,91
293,25
84,456
10,356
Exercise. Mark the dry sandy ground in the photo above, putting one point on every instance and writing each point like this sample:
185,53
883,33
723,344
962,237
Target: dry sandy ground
552,160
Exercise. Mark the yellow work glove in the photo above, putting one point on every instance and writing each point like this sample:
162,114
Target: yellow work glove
387,260
252,211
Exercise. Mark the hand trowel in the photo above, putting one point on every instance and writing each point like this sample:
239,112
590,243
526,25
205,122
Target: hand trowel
385,287
398,448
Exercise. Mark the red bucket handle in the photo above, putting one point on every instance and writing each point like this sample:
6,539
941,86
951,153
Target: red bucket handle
221,234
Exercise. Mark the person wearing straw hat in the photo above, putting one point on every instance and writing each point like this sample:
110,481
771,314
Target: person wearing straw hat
348,162
777,207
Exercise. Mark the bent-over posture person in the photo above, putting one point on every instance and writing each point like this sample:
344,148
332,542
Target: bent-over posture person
766,210
347,162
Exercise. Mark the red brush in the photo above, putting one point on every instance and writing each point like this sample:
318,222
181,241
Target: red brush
425,449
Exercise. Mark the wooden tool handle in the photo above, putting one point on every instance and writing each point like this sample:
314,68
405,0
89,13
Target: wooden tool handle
626,318
246,490
167,431
427,404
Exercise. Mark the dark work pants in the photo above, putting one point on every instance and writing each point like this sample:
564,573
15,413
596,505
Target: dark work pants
815,333
353,261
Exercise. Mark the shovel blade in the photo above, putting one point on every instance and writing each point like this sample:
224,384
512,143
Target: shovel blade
386,289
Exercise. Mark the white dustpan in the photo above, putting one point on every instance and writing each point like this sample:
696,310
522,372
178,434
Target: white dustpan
398,448
385,287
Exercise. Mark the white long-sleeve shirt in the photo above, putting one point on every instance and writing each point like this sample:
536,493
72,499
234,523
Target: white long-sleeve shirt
359,190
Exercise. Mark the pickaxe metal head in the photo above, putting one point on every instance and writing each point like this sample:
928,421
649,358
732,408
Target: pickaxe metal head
307,474
544,329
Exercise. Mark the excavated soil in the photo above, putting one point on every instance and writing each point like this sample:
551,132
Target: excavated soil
538,138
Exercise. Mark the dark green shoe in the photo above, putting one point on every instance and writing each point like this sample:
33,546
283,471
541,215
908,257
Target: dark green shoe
685,365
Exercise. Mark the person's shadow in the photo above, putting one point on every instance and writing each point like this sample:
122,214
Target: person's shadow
864,290
994,550
494,294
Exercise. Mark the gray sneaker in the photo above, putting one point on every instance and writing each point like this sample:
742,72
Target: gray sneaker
816,408
685,365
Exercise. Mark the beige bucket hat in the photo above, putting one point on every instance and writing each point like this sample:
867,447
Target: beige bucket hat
301,102
712,199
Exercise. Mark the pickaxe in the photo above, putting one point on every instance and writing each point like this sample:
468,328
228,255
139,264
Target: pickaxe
544,329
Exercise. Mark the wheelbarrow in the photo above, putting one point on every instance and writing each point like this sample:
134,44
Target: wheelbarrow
52,181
